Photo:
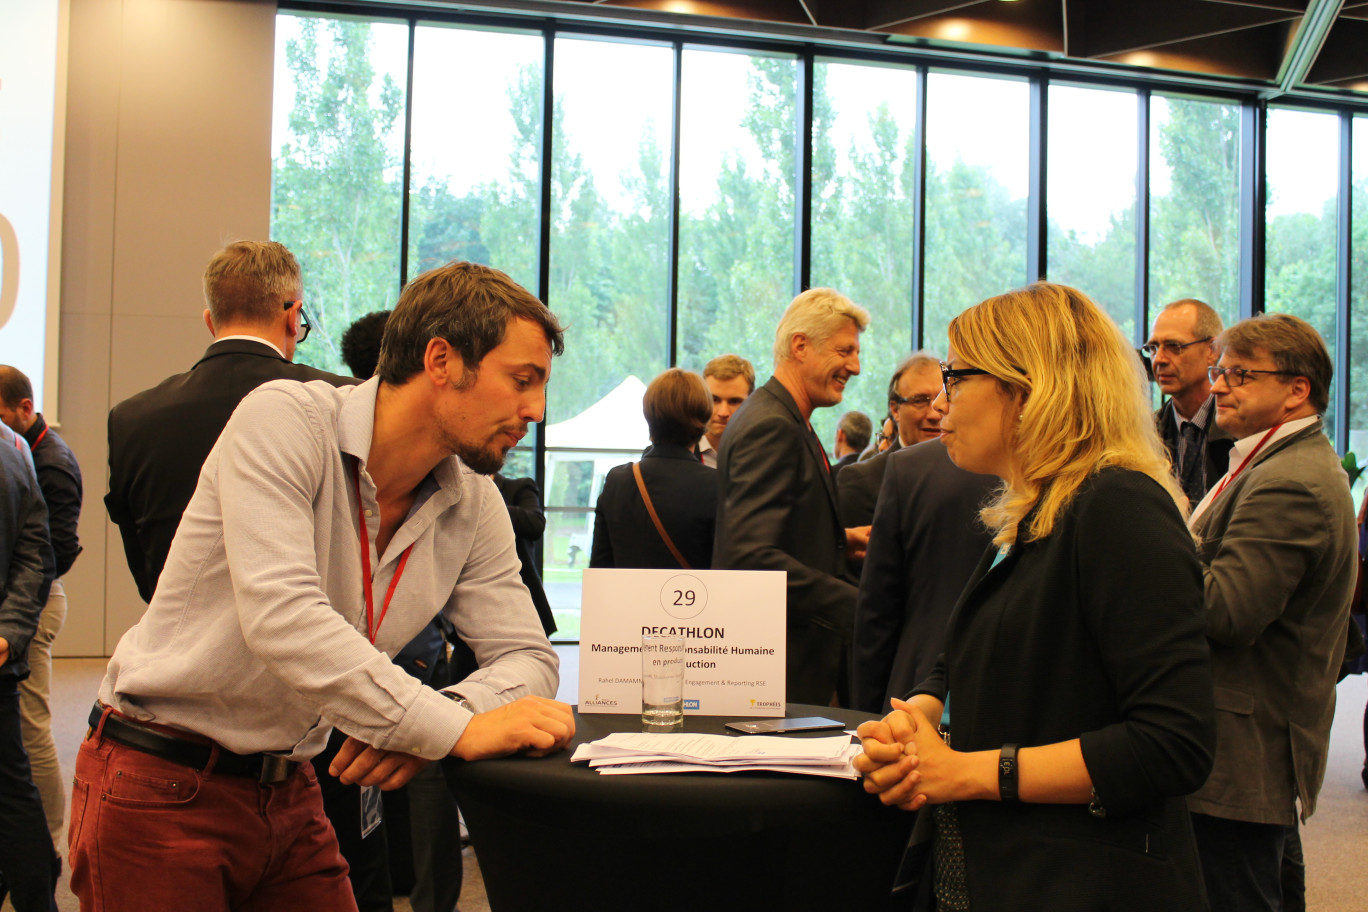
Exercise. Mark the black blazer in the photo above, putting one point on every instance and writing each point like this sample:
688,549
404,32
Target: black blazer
1095,632
857,489
684,494
927,540
159,439
776,510
523,498
1216,452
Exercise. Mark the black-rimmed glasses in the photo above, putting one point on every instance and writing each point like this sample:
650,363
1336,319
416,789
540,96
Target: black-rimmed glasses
304,324
920,401
1239,376
1171,348
951,376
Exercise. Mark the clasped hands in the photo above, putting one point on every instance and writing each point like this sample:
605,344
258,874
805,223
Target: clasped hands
534,726
905,762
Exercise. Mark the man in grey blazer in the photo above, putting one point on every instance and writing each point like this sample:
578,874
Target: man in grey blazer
1276,538
776,506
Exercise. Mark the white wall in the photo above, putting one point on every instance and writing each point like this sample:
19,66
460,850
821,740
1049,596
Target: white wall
167,158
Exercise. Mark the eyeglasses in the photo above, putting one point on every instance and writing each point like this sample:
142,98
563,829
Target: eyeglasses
951,376
304,325
1239,376
921,401
1171,348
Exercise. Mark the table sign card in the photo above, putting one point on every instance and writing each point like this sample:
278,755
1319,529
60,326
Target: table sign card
734,627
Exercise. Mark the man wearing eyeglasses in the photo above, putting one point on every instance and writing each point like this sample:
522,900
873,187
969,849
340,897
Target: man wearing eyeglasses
1277,540
159,439
1181,348
925,542
911,390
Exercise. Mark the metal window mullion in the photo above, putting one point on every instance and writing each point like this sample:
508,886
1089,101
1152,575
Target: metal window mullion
1253,194
918,314
544,239
1142,214
1036,236
807,62
1343,276
672,332
404,206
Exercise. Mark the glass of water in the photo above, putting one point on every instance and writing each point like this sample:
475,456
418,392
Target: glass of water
662,683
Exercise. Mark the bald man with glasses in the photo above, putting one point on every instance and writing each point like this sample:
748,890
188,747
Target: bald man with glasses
1181,347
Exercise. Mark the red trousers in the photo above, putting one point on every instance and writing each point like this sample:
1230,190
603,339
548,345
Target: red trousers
149,834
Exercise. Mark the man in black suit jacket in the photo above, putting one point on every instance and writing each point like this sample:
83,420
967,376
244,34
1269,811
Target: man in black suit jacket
1182,345
911,390
926,541
776,497
852,436
159,439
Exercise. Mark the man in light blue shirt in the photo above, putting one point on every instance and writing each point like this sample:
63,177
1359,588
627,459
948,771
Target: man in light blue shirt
328,528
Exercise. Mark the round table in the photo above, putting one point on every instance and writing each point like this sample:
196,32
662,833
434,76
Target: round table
555,835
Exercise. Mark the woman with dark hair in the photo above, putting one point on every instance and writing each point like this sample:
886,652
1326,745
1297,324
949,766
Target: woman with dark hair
660,512
1076,672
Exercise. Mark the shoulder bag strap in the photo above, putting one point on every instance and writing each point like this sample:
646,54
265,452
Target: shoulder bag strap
650,508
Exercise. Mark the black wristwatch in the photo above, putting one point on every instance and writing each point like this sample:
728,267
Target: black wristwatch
1007,773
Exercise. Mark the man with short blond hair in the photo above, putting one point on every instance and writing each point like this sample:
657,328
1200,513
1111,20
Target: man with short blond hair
1278,544
730,379
777,499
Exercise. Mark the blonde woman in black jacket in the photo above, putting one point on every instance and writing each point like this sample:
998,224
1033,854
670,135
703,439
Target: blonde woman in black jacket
1076,673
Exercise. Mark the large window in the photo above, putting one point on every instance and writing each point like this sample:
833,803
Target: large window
1194,204
337,187
977,175
1303,176
668,224
1091,196
739,143
475,149
862,179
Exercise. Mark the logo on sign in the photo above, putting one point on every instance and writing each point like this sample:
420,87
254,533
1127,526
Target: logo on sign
691,704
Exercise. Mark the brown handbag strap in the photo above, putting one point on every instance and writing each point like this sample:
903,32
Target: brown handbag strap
650,508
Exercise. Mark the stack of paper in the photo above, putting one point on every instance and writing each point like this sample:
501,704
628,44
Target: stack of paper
681,752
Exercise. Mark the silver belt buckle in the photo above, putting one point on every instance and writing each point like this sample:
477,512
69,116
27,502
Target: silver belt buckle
274,770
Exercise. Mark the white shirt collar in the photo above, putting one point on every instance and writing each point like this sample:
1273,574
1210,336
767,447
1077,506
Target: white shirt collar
1240,452
254,339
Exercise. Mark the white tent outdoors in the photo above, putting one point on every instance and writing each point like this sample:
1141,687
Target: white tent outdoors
614,422
608,433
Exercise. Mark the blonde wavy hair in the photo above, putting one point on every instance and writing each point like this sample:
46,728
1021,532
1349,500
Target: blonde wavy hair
1084,401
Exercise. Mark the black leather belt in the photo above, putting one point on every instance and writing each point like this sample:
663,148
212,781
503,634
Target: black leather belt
265,768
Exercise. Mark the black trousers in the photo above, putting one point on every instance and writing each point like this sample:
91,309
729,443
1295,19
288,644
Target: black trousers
28,862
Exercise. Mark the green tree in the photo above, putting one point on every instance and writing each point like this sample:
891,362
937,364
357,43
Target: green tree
336,192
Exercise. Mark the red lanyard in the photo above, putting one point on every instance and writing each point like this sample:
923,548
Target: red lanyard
40,438
373,625
1252,453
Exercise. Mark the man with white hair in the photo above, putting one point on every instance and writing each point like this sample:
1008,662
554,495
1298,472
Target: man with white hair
776,497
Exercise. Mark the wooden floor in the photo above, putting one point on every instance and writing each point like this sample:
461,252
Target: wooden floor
1336,839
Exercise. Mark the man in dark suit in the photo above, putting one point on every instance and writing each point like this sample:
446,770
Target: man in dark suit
1278,546
159,439
926,541
911,390
776,498
1181,346
852,436
28,865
